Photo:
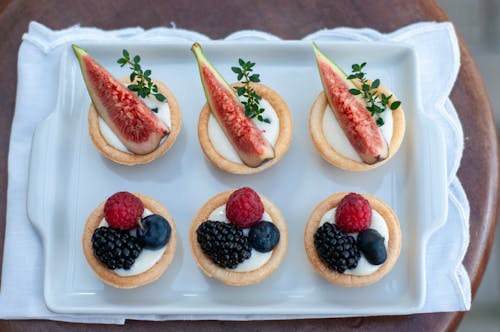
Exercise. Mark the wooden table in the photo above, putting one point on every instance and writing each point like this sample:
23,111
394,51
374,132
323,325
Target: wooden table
291,20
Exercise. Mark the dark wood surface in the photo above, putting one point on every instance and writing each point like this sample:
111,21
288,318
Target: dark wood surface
290,20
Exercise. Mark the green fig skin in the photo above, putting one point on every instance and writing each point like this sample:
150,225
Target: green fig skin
248,141
350,111
124,112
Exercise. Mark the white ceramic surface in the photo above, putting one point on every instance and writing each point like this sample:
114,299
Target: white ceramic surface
69,178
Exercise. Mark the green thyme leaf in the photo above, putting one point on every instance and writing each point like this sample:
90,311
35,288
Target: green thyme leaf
142,83
374,104
395,105
248,97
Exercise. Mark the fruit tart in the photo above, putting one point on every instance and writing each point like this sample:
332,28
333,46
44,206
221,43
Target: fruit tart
352,239
129,240
355,123
238,237
244,128
133,120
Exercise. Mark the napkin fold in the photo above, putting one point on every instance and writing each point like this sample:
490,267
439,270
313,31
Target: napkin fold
436,46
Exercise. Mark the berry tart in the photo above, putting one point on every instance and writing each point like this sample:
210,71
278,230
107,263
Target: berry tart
246,127
355,123
129,240
238,237
352,239
133,120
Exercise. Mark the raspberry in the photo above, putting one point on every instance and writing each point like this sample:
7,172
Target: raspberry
244,208
122,210
353,214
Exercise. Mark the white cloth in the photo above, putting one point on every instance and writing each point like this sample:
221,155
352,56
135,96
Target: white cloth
21,296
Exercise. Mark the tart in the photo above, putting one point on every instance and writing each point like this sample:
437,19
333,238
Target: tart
244,128
328,152
351,277
355,123
131,121
280,147
126,157
231,276
152,270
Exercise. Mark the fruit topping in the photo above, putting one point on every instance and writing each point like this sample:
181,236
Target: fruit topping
264,236
248,141
132,121
353,214
123,210
351,113
114,248
244,208
224,243
336,249
153,232
371,244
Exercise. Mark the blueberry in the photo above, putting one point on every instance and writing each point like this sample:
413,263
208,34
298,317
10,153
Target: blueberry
371,244
154,232
264,236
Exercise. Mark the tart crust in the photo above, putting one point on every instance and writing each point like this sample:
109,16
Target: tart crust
393,247
228,276
335,158
140,279
286,128
130,159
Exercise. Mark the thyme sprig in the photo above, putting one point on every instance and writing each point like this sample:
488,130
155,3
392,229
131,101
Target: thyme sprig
375,104
249,98
144,86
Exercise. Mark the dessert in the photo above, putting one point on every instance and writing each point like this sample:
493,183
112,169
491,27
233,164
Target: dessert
352,239
129,240
133,120
243,128
355,123
238,237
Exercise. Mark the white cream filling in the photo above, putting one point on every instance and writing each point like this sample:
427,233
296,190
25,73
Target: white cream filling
378,223
257,259
338,140
163,114
146,259
271,132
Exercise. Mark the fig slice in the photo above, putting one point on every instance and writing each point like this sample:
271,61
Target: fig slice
248,141
132,121
350,111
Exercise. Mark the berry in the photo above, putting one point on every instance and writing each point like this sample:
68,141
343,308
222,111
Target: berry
371,244
115,248
353,214
336,249
153,232
123,210
244,208
264,236
224,243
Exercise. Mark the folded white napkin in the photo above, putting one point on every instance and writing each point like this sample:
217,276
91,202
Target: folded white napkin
21,295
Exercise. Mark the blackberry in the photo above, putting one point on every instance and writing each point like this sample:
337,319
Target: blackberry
224,243
336,249
115,248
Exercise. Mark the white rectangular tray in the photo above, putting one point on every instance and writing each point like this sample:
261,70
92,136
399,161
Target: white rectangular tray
68,178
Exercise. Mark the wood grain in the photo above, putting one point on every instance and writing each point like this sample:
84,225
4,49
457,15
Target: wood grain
291,20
